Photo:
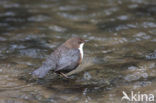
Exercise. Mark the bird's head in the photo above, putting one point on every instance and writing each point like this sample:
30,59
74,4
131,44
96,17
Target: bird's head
75,42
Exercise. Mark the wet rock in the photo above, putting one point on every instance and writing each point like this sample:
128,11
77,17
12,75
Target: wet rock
151,55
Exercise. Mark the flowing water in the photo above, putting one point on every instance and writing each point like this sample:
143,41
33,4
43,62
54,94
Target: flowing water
120,55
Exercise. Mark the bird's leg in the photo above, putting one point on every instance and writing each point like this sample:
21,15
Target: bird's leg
64,75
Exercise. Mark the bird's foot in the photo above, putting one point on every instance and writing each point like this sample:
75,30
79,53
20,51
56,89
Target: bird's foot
64,75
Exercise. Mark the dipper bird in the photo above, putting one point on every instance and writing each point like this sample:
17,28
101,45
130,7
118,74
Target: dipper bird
64,59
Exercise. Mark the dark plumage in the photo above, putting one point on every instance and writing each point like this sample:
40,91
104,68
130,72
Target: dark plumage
64,59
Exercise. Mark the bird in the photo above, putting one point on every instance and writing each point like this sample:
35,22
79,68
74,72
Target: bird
64,59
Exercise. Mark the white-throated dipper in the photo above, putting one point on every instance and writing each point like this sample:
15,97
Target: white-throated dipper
64,59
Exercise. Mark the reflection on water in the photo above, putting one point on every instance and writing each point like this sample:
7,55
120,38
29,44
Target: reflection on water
120,55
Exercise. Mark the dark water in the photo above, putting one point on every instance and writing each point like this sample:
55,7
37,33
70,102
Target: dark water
120,56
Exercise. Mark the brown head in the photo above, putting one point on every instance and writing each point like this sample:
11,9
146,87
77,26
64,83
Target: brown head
74,42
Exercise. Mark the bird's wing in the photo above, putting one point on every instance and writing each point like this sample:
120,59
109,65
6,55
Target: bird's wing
69,60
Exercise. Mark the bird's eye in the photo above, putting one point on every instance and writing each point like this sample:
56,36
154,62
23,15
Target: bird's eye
79,42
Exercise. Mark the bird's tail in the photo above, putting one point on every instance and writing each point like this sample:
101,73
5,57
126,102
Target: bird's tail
40,72
44,69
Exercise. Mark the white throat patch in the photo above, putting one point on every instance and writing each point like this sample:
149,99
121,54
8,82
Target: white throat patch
81,50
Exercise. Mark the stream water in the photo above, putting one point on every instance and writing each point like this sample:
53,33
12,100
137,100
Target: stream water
120,55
